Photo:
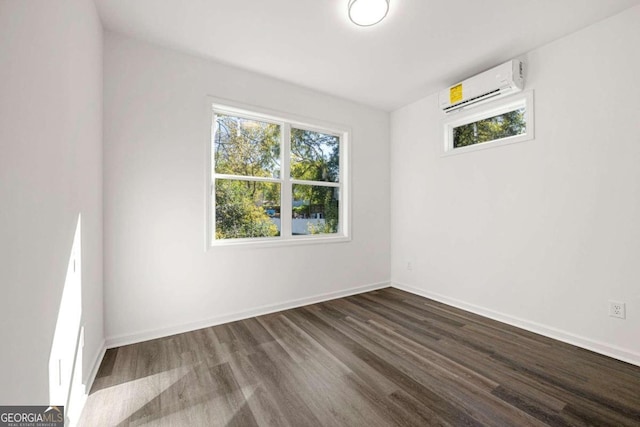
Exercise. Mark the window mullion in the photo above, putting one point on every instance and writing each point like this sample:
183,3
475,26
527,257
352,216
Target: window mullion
317,183
247,178
286,196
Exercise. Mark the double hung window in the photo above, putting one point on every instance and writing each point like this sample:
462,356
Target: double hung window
274,179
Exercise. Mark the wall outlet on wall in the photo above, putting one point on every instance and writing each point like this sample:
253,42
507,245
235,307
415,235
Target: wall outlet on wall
617,309
409,265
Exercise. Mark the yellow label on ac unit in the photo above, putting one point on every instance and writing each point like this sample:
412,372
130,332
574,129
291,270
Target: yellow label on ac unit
455,93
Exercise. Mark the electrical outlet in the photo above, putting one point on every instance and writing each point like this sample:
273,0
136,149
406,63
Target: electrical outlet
617,309
409,266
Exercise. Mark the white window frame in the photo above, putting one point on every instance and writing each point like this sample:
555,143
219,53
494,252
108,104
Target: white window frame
286,121
491,109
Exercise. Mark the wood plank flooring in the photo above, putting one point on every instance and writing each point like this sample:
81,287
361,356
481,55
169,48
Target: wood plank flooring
382,358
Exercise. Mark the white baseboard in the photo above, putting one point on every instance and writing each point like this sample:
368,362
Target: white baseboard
118,341
567,337
622,354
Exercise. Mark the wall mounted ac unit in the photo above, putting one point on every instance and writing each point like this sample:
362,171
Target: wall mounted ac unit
497,82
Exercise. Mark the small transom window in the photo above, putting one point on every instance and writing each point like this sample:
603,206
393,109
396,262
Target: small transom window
493,124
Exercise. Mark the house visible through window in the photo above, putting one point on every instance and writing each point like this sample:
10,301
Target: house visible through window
274,179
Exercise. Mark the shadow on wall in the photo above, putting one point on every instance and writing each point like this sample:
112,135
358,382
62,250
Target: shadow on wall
65,359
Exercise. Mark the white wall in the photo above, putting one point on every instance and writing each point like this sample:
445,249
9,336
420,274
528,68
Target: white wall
50,171
543,233
158,278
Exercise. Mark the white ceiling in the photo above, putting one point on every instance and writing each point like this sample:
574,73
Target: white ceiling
420,47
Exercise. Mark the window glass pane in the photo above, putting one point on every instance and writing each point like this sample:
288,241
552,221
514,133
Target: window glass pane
246,147
246,209
489,129
314,156
315,209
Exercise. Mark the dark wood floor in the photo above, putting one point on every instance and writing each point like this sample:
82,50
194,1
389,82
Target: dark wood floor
377,359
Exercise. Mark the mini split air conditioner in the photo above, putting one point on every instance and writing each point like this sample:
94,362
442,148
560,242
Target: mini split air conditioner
497,82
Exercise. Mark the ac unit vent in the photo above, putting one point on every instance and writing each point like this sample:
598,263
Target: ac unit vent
497,82
491,94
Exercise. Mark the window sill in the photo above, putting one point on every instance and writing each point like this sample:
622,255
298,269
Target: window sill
277,242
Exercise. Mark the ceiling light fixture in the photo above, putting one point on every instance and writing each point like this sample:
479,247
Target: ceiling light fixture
367,12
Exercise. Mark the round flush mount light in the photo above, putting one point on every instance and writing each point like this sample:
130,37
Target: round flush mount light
367,12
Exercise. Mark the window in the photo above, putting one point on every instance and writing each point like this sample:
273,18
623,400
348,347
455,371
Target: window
497,123
275,179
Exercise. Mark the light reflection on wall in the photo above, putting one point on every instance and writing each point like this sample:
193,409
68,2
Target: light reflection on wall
66,350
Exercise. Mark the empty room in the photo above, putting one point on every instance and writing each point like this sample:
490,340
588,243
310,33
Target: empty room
319,213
